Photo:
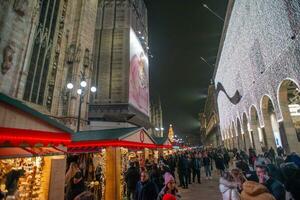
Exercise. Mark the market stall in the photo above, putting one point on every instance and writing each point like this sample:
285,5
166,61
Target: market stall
32,159
164,146
120,146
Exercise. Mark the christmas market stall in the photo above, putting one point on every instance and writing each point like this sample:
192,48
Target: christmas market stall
32,156
109,151
164,146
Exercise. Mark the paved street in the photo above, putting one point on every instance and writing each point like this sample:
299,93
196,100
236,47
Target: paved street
208,190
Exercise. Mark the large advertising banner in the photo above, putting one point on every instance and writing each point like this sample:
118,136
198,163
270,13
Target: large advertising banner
139,75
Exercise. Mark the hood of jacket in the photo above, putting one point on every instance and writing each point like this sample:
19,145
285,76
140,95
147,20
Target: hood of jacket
254,189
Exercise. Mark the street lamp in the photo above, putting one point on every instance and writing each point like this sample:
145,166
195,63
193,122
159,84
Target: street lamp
82,91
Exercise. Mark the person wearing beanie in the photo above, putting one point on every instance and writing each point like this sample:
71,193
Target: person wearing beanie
169,188
169,197
255,191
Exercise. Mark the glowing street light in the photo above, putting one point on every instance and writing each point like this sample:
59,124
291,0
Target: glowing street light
70,86
81,92
83,84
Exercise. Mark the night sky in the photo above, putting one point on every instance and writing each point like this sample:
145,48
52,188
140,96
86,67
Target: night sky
180,32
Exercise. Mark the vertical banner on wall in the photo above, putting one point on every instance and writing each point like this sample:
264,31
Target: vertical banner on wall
138,75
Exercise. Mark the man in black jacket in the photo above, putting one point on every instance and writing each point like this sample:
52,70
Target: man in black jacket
132,176
145,189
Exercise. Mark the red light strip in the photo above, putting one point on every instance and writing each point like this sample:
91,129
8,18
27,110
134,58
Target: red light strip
116,143
15,135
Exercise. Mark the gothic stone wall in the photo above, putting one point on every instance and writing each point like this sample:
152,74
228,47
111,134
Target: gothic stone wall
16,22
261,49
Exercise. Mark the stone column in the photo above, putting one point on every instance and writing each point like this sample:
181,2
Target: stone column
284,139
268,133
113,173
256,139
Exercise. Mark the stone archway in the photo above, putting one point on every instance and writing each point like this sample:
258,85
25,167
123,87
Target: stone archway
247,136
289,102
254,129
271,135
240,140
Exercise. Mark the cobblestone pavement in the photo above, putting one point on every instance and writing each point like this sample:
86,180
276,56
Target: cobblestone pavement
207,190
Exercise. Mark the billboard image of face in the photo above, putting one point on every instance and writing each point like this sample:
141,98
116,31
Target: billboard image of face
138,77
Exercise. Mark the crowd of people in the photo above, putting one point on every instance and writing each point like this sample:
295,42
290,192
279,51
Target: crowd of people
243,175
269,176
156,180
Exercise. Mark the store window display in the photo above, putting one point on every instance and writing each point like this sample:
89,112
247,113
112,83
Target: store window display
91,168
22,178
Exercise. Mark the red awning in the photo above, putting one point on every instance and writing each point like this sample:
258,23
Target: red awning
19,152
96,146
14,152
15,137
113,143
44,151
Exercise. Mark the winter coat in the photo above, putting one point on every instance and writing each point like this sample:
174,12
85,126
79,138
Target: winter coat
276,188
229,190
219,163
196,164
146,191
132,176
206,161
255,191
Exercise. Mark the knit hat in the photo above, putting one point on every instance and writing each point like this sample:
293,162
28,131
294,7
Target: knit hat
169,197
168,177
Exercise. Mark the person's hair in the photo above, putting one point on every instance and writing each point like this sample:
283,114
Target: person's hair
236,172
145,172
131,164
228,176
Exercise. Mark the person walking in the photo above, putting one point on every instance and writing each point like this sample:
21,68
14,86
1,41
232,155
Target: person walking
190,168
183,167
145,189
197,168
131,178
206,164
219,160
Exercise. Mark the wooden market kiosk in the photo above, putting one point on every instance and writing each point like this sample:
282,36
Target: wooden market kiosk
164,146
119,146
31,144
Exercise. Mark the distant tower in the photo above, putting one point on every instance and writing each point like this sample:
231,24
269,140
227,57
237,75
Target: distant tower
171,133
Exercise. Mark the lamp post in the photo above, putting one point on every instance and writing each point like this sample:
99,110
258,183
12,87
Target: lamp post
81,91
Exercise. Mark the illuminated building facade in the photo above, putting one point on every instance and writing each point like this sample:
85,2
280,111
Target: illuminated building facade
257,75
